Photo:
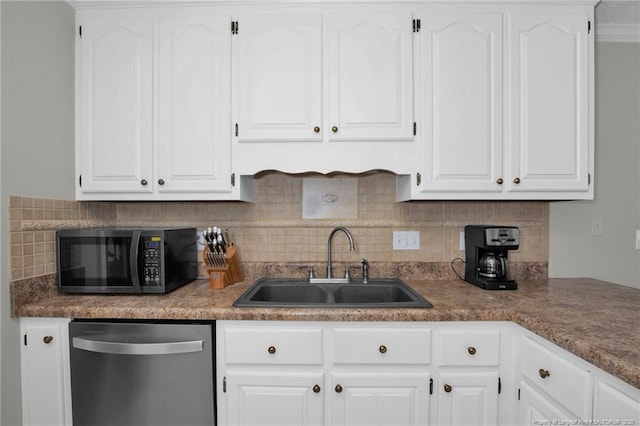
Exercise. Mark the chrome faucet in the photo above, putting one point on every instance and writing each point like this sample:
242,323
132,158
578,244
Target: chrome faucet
351,247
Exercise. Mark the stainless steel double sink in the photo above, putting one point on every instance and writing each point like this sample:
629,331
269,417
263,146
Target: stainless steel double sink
292,292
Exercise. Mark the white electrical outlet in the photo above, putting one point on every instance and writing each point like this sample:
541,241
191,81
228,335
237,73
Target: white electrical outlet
462,246
406,240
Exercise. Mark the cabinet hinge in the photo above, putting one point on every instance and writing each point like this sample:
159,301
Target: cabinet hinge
224,384
236,130
80,180
415,128
234,27
80,31
416,25
418,179
430,386
588,178
499,385
233,179
25,340
518,394
588,27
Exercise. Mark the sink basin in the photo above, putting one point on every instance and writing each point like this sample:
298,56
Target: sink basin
289,292
366,294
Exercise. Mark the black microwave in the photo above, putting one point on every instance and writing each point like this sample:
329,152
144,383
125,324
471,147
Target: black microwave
122,260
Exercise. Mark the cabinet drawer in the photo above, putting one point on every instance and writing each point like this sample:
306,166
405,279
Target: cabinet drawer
273,345
382,346
558,376
469,347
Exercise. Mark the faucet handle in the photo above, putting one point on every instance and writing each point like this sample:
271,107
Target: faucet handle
312,274
347,271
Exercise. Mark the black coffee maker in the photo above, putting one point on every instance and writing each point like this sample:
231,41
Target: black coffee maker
487,247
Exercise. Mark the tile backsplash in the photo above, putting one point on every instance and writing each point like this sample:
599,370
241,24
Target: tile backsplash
272,228
32,226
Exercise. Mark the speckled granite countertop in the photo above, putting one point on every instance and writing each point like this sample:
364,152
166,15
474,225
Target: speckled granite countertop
595,320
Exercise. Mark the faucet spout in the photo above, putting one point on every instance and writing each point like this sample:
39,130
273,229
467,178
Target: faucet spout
352,247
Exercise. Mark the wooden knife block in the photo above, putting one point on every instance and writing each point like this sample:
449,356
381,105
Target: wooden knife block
220,277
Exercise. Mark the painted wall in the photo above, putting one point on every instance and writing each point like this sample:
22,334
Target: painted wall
573,251
37,140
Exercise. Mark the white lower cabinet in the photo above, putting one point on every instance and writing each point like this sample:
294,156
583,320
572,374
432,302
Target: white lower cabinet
614,400
387,399
556,376
364,373
468,374
380,374
556,386
46,375
468,398
535,408
278,399
286,373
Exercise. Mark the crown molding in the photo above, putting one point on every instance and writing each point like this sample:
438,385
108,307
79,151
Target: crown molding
621,33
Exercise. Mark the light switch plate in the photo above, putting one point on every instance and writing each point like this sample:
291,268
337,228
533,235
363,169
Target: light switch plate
637,239
596,227
462,245
406,240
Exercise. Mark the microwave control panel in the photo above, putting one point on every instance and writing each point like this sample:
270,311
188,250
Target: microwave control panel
151,260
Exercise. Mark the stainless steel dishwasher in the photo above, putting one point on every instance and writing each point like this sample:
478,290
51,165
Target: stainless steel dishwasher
142,373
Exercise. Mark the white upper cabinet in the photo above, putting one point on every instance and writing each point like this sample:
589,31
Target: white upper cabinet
462,102
506,104
279,76
153,116
324,88
370,76
114,121
194,79
549,102
475,101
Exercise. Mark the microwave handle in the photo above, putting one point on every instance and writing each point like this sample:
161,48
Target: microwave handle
133,261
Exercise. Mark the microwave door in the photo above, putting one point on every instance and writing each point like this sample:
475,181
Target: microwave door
134,253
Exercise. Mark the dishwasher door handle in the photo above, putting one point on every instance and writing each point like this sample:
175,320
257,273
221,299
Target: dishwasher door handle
122,348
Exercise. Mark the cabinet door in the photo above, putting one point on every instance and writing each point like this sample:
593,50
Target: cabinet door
462,100
274,399
279,76
395,399
468,398
115,112
194,77
616,400
370,76
534,408
557,374
549,86
46,387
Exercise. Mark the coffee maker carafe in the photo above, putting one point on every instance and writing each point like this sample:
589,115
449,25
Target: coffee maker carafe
487,248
